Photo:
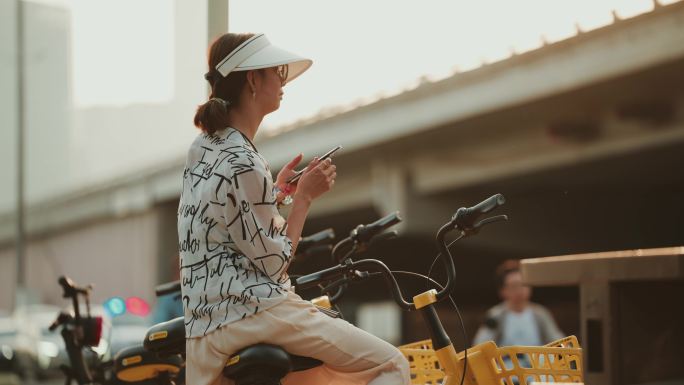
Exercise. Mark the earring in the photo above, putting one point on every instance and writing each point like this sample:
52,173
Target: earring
253,95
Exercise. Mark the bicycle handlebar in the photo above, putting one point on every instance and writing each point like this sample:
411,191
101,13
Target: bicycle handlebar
325,236
70,289
315,243
465,217
364,233
350,268
310,280
463,220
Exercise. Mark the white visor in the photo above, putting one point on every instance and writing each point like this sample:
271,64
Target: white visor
257,52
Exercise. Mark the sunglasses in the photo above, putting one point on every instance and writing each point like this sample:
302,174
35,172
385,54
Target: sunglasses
281,70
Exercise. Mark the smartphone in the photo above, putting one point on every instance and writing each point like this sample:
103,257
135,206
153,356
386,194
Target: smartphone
322,158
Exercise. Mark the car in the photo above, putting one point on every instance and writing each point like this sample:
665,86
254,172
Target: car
51,350
19,349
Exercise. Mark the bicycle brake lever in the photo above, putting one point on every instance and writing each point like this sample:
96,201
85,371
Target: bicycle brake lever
383,236
374,274
486,221
476,227
334,285
360,275
356,275
62,318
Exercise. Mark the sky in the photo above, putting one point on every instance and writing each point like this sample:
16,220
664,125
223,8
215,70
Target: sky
361,49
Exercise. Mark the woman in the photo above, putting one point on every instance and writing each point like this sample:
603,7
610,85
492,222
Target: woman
235,247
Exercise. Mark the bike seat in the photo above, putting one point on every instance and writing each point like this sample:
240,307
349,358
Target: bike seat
264,361
136,364
166,338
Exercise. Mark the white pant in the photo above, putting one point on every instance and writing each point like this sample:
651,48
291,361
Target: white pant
350,355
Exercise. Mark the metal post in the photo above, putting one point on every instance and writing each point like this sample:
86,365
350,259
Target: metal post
217,22
21,244
217,19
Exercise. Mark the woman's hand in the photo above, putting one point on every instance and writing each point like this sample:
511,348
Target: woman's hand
317,179
287,172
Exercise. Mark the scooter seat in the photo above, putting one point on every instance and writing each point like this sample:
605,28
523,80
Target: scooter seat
136,364
166,338
265,361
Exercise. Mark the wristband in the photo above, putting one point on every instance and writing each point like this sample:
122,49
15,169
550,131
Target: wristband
286,190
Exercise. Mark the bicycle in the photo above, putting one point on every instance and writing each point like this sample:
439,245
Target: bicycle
435,361
82,332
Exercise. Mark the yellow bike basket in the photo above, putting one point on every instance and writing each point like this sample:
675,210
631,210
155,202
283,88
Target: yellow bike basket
559,361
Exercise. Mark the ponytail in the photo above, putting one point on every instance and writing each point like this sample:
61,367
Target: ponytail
212,115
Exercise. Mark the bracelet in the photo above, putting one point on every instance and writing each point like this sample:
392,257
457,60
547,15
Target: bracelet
286,190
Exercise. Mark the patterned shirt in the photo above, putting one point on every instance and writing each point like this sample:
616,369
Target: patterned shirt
234,252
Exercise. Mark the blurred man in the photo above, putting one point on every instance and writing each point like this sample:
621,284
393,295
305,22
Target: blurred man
516,321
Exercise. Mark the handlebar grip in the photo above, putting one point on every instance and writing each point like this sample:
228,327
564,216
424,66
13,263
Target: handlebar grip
167,288
466,217
489,204
313,279
366,233
321,236
386,222
70,288
325,236
62,318
316,250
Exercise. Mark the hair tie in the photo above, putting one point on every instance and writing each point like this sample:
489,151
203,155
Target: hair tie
212,77
224,102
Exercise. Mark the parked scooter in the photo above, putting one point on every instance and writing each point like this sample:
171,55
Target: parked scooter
82,331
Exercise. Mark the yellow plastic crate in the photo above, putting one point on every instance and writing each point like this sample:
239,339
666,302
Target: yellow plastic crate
559,361
425,368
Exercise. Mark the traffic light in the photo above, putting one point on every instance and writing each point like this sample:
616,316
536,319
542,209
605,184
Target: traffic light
117,306
137,306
